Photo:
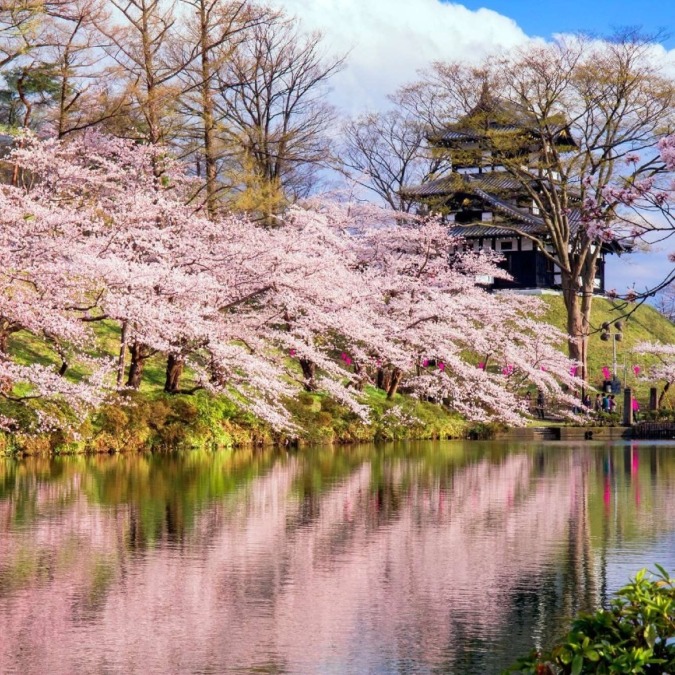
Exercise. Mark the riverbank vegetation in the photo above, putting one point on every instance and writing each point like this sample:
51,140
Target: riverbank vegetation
166,276
634,635
158,421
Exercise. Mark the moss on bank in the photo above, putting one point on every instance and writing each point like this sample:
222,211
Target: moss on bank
141,421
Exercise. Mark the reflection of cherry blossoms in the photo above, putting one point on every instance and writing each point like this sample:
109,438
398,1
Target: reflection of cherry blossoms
317,580
321,562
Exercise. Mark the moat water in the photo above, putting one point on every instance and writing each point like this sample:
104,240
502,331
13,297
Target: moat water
444,557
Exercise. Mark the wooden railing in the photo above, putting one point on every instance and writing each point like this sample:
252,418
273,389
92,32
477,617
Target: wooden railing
654,430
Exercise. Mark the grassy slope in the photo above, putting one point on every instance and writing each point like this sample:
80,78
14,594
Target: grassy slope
645,325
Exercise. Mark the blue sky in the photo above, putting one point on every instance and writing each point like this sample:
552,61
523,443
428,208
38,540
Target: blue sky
544,18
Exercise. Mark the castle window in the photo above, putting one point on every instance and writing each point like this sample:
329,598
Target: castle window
486,216
506,245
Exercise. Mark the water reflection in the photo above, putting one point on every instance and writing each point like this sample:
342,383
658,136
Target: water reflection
430,557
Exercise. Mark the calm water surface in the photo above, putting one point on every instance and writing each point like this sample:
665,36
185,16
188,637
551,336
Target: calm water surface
417,558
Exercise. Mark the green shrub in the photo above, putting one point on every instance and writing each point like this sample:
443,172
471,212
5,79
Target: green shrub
138,421
661,415
606,419
484,431
635,635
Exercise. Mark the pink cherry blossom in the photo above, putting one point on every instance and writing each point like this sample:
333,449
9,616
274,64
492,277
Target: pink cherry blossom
101,237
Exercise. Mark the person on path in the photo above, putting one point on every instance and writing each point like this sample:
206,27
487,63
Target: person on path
541,403
598,403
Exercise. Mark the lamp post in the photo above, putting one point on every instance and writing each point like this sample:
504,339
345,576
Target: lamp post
615,336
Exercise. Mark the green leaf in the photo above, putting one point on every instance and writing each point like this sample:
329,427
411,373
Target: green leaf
662,571
577,664
592,655
650,635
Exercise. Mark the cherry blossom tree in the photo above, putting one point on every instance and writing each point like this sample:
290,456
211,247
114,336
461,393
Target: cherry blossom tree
99,229
442,325
664,369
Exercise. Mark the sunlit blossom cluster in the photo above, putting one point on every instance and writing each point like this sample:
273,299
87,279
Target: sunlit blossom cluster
98,229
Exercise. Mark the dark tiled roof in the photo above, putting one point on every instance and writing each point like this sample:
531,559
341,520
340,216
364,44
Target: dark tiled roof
451,135
495,114
476,230
508,209
526,222
434,188
493,188
495,180
454,182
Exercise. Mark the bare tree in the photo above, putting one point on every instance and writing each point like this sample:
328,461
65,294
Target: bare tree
140,43
386,152
20,27
213,31
274,116
86,96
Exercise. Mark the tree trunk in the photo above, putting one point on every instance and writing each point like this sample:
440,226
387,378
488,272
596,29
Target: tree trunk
208,116
662,397
217,376
361,376
65,69
4,341
21,91
383,379
577,287
174,370
309,372
121,359
394,382
138,357
578,308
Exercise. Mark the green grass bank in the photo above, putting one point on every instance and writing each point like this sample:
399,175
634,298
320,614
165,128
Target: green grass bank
150,419
142,420
645,324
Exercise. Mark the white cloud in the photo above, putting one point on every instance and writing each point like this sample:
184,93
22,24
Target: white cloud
389,40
